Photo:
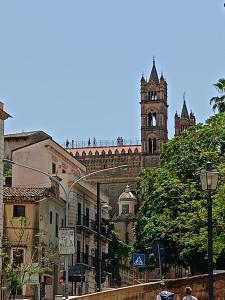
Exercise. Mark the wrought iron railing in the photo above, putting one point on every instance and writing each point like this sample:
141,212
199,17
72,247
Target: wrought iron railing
100,143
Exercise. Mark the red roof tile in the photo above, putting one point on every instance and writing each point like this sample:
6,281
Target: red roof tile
24,193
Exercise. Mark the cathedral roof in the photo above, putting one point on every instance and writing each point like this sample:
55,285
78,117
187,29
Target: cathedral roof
154,76
127,195
184,113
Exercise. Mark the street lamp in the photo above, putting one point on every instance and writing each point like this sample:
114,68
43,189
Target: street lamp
209,179
67,193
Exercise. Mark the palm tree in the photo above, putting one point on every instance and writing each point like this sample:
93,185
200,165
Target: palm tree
219,101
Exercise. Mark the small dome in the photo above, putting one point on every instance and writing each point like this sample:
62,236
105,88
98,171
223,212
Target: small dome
127,195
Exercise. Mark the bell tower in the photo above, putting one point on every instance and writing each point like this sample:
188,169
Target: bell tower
153,117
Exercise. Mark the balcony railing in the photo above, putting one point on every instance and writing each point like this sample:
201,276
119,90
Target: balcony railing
88,223
85,258
83,220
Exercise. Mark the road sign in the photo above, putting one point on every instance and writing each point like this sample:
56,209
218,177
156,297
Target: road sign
66,241
76,273
139,260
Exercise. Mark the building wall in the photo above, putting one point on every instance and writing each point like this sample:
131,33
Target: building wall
22,236
84,195
14,141
37,217
3,116
41,156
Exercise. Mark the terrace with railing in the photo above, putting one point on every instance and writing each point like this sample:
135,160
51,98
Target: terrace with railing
100,143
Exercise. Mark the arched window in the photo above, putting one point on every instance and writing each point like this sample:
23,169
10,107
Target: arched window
96,153
152,95
136,150
90,153
129,150
152,146
109,152
116,152
103,152
123,151
77,153
150,149
152,119
83,153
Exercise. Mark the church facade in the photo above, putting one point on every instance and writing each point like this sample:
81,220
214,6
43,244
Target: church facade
138,155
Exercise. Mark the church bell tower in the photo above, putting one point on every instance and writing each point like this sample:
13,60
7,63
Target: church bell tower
153,117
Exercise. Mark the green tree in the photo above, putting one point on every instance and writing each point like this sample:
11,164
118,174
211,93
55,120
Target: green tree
219,101
119,254
174,208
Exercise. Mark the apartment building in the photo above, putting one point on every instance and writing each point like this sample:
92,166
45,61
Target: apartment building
44,154
32,217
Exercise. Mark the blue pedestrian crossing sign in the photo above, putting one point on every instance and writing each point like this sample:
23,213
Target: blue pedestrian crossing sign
139,260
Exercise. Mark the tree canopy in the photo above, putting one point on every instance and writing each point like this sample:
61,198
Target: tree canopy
174,207
219,101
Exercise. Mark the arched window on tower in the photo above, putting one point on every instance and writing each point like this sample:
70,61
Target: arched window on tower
152,95
152,146
152,119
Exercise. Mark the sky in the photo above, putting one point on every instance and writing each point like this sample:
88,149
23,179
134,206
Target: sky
72,68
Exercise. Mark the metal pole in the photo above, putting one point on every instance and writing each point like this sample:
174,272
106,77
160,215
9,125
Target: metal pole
98,258
67,256
159,257
210,247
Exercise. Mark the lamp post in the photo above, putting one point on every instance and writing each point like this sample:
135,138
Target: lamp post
209,179
67,193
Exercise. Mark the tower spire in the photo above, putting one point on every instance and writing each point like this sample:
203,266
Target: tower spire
184,113
154,75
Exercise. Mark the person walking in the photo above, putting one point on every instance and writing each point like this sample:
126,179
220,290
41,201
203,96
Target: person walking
188,294
163,293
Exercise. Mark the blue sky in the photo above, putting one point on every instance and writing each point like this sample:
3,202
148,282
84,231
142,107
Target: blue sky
72,68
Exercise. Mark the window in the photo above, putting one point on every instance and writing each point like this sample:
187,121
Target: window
61,222
78,251
53,168
152,95
18,211
152,119
17,256
78,213
50,217
125,209
56,224
152,146
86,254
87,217
63,171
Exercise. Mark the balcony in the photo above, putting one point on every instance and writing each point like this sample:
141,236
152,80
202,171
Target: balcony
85,223
86,259
90,226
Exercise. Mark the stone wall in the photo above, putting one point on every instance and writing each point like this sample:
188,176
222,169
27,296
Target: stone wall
148,291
